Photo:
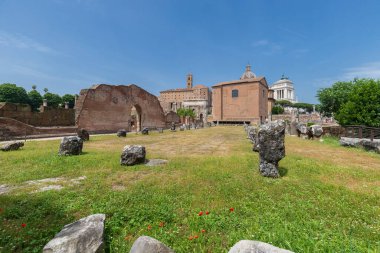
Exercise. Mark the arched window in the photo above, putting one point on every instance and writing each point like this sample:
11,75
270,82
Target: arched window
235,93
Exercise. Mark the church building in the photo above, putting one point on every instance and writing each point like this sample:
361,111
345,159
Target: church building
245,100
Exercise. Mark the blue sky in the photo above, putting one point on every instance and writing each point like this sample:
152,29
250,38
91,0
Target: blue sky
68,45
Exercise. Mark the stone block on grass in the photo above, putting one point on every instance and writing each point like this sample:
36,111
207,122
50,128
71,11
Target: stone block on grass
71,145
146,244
10,146
132,154
85,236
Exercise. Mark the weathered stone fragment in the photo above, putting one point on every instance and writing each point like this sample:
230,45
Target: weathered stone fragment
146,244
83,134
160,130
155,162
132,154
301,129
367,144
187,127
181,128
84,235
172,128
252,133
316,130
12,146
71,145
271,139
247,246
121,133
145,131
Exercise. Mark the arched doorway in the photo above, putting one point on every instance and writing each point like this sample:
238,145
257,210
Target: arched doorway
135,122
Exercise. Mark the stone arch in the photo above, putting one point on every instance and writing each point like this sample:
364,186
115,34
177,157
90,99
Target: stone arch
107,108
135,121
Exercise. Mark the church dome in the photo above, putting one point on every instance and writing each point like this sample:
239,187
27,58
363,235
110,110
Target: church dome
248,74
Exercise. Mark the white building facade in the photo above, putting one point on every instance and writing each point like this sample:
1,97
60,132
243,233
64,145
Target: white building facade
284,90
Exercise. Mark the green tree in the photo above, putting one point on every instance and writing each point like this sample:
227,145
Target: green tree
307,107
35,99
53,100
12,93
362,106
183,112
69,98
46,90
334,97
277,109
284,103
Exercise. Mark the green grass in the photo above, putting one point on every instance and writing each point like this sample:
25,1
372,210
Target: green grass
326,201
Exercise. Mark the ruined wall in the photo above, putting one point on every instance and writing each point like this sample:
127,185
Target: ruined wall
104,108
172,117
10,128
48,117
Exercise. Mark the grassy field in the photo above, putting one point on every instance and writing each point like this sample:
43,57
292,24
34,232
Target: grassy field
328,199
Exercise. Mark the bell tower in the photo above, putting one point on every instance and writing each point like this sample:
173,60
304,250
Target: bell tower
189,81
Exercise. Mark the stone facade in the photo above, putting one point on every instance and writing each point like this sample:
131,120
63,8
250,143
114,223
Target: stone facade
284,90
197,98
45,118
244,100
107,108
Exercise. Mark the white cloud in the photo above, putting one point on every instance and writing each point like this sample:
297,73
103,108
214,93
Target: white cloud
368,70
22,42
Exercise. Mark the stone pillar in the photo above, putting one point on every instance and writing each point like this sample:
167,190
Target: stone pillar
66,105
271,142
44,102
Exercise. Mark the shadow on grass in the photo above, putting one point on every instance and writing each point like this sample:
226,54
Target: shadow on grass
283,171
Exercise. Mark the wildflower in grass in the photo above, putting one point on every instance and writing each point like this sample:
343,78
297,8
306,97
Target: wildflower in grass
207,212
195,236
232,209
203,231
23,225
149,227
128,237
200,213
191,238
161,224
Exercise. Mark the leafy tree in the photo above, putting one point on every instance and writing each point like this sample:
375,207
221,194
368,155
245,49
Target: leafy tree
334,97
12,93
284,103
34,87
277,109
46,90
35,99
306,106
54,100
362,106
69,98
183,112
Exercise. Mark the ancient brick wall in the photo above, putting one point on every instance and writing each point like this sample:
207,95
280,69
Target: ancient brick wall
47,117
10,128
105,108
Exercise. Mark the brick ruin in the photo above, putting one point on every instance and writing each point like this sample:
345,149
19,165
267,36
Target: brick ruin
46,117
107,108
